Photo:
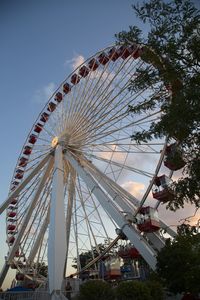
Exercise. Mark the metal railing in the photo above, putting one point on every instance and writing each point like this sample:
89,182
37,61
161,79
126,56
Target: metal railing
32,295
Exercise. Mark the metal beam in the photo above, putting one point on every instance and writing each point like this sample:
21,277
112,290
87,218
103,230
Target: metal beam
57,227
133,235
71,194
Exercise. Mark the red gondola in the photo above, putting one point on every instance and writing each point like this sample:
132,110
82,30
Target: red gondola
161,189
15,183
19,277
51,106
83,71
93,64
147,219
23,162
44,117
27,150
126,53
128,252
137,53
58,97
11,240
120,50
38,127
32,139
13,266
103,58
75,79
19,176
17,254
66,88
12,207
11,227
113,54
14,201
173,158
11,214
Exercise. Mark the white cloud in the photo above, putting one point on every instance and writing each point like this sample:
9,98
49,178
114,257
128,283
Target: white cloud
134,188
75,62
42,95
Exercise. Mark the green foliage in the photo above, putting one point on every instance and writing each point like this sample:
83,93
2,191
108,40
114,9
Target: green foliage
42,269
156,290
172,56
133,290
96,290
178,263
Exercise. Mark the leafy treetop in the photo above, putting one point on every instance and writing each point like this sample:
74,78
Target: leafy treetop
178,263
172,48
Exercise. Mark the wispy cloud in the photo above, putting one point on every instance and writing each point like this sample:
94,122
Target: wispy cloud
75,62
134,188
43,94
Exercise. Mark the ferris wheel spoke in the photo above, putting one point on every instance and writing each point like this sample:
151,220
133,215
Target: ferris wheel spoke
98,84
40,209
96,207
121,108
30,210
102,114
118,164
39,238
105,133
88,224
107,104
104,94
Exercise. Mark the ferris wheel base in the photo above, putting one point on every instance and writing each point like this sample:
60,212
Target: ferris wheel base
58,295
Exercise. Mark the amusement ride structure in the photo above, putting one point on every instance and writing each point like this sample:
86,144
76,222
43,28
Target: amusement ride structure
76,180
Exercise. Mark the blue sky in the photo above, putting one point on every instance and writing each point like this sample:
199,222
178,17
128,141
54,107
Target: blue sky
39,39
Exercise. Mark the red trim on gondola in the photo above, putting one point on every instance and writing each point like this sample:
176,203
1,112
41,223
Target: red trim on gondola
93,64
58,97
27,150
44,117
51,106
66,88
38,127
75,79
103,58
83,71
32,139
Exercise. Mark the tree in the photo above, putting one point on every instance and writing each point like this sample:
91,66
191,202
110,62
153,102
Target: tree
172,48
95,290
178,263
133,290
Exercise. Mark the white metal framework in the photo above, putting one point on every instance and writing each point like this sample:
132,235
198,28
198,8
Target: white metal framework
80,176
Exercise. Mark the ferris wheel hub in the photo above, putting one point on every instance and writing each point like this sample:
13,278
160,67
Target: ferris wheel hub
54,142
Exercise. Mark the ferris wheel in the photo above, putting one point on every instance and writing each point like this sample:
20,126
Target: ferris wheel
81,178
